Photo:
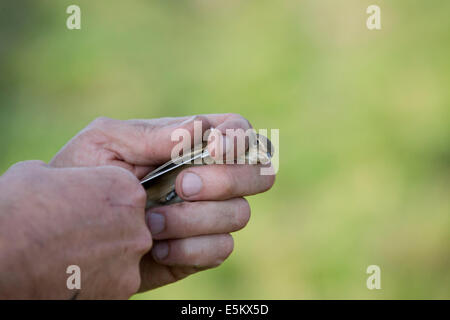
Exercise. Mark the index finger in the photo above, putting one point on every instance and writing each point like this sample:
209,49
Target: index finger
149,142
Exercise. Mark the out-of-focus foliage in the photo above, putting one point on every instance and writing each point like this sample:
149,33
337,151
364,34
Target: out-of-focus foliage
363,118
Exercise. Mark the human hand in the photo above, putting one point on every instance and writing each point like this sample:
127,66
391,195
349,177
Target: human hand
190,236
51,218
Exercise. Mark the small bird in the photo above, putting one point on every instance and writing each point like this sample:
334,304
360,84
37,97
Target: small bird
160,183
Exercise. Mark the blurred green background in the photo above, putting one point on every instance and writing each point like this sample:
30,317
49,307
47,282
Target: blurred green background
363,118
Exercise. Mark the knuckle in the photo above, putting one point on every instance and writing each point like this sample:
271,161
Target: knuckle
29,171
128,176
131,282
190,255
96,128
100,122
127,185
239,117
27,164
129,182
142,127
236,116
144,241
228,187
138,195
199,117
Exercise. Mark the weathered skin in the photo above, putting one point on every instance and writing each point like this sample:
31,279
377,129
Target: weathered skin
85,209
52,218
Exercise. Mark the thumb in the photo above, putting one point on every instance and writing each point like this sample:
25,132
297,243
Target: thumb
150,142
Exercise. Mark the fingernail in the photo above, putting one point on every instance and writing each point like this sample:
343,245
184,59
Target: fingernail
161,250
191,184
156,223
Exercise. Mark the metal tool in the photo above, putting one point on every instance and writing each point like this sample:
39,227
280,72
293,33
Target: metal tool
160,183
